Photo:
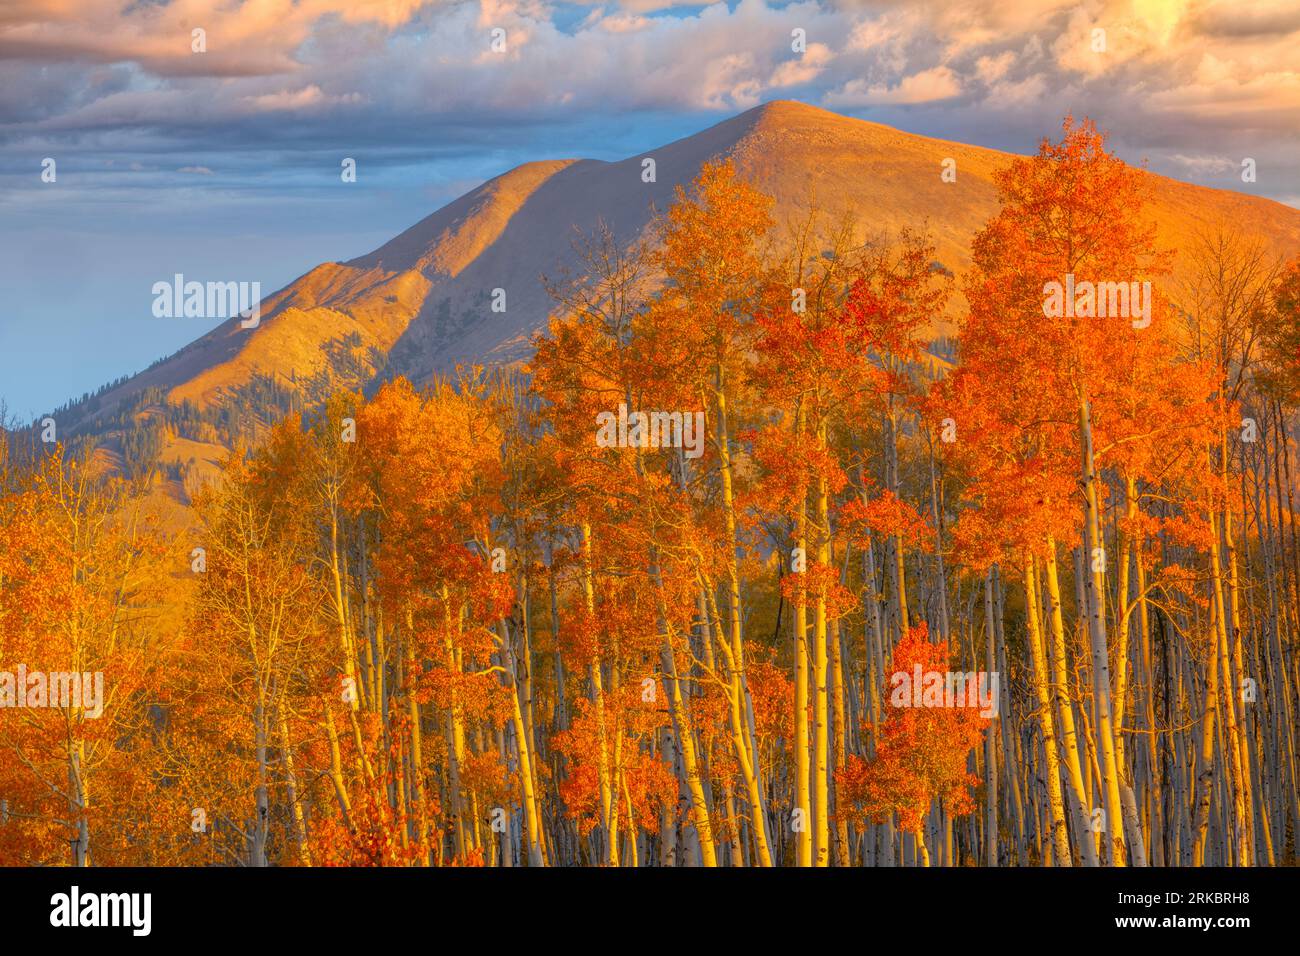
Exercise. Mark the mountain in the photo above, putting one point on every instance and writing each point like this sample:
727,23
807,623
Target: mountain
421,303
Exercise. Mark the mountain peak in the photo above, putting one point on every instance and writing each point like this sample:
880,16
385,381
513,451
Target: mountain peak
785,110
464,284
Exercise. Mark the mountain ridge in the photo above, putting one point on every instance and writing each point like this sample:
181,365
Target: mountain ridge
420,303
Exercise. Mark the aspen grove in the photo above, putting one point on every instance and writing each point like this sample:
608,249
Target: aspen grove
828,589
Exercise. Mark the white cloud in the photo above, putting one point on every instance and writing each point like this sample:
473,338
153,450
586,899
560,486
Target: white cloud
308,97
801,69
990,69
1005,95
1202,165
624,23
938,83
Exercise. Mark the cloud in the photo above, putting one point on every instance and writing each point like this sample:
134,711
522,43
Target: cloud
802,69
1261,18
938,83
196,170
308,97
624,23
404,76
241,39
1008,95
992,68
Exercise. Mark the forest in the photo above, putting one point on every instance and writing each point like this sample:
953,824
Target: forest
1024,595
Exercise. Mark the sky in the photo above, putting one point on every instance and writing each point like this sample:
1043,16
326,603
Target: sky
224,163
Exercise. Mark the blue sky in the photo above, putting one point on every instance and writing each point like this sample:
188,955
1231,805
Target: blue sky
225,164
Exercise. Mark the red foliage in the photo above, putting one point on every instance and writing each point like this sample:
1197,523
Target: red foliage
921,754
